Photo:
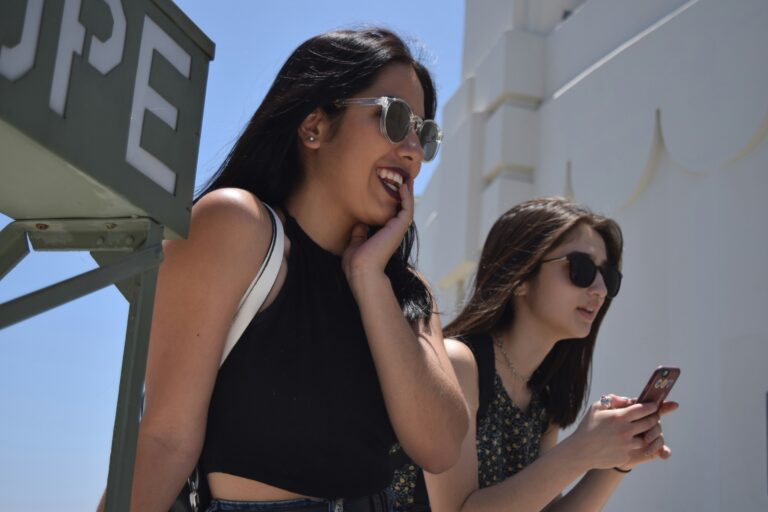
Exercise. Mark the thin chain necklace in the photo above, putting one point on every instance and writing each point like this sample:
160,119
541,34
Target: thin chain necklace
515,373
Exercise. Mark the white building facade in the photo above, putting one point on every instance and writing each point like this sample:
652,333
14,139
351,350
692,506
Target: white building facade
655,113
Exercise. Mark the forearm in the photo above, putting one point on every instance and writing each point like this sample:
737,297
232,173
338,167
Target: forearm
591,493
160,470
533,488
420,389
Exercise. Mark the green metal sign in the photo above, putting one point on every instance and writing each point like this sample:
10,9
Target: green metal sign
101,103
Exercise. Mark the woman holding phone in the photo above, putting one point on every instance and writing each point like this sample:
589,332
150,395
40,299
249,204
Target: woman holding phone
346,355
522,349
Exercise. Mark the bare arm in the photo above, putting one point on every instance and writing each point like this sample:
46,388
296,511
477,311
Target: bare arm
596,487
592,491
449,490
604,439
531,489
200,283
420,389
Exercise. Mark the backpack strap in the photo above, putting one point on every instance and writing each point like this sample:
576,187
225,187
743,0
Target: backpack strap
259,288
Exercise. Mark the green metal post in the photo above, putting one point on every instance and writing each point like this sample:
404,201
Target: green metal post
126,428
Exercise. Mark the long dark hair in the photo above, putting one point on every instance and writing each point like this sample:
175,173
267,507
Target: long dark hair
265,159
512,255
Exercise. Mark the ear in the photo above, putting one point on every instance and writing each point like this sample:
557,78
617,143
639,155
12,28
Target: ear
312,129
521,290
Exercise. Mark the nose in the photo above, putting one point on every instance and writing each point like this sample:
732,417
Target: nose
598,286
410,147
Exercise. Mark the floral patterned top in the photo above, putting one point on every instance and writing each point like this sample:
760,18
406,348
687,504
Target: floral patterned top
508,439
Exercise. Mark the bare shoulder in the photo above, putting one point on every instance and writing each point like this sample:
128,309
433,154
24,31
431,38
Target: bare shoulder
465,366
229,234
232,207
226,224
460,355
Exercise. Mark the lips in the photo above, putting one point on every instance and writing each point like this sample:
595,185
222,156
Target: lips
392,178
588,312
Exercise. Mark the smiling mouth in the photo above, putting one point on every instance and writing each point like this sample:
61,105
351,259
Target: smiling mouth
588,312
392,181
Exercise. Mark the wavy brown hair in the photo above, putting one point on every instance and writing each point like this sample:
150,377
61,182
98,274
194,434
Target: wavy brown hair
512,255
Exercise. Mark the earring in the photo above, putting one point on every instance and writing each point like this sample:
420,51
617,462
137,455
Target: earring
311,138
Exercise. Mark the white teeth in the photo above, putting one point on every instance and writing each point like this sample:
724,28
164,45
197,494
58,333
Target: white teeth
392,176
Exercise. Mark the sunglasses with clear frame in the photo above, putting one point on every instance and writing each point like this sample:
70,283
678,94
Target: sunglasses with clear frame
397,119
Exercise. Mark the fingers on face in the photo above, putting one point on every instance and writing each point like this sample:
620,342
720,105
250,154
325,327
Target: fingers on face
406,195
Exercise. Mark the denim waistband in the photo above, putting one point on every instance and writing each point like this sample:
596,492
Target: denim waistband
380,502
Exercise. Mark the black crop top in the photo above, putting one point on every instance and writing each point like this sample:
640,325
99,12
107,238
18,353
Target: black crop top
297,404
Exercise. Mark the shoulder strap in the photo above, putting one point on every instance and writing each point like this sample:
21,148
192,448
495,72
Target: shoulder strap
482,347
259,288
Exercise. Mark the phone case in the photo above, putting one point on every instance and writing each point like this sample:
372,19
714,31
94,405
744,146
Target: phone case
659,385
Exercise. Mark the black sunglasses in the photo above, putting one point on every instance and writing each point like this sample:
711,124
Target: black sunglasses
397,118
583,272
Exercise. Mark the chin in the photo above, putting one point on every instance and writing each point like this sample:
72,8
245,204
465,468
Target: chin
382,216
583,333
578,332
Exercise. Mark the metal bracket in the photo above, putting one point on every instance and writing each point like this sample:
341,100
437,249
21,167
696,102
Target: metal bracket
129,252
110,235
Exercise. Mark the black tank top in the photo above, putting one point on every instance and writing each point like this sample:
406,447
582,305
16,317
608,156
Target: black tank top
297,404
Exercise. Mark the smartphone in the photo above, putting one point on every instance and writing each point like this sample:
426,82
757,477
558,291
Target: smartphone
659,385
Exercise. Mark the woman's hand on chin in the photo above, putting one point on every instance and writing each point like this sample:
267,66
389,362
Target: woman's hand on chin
366,257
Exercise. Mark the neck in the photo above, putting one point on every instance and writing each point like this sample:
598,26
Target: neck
527,343
320,217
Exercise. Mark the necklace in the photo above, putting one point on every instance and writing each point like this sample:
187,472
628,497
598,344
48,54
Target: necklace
515,373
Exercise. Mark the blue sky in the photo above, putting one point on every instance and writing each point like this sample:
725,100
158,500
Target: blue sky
59,371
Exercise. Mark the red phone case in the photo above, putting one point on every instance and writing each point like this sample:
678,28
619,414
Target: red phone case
659,385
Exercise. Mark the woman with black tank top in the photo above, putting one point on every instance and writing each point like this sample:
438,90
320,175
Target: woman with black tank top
346,355
522,352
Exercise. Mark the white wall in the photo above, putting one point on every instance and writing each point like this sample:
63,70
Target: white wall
655,113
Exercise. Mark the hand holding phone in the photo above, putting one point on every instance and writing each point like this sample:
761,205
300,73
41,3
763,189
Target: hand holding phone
659,385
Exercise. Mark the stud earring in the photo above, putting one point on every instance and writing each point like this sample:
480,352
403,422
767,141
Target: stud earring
311,138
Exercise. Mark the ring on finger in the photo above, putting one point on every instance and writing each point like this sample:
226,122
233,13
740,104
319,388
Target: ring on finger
605,401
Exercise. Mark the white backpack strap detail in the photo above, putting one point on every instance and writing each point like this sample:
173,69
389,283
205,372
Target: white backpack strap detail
259,288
